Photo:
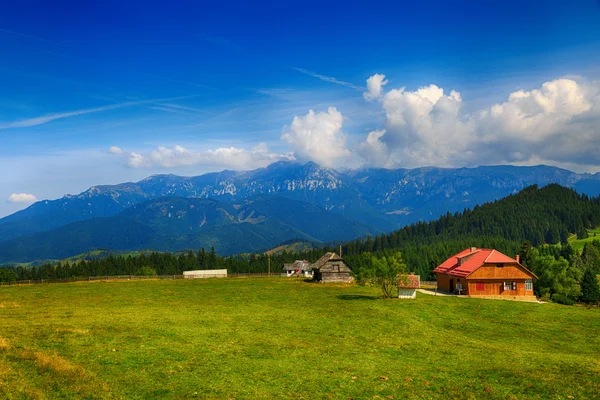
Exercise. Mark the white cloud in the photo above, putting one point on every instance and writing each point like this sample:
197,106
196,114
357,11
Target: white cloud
223,157
373,150
557,122
115,150
22,198
318,137
375,86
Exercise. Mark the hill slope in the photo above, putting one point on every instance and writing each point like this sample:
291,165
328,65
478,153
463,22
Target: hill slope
171,224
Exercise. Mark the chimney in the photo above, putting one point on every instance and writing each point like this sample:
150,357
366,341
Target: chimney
473,249
517,258
412,273
459,261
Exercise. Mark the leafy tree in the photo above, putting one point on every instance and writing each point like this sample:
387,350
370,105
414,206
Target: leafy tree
556,276
590,289
146,271
385,272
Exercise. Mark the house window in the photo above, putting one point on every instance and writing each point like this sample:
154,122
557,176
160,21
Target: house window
499,265
480,286
529,284
510,285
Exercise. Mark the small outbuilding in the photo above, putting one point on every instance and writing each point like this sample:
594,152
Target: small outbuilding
297,268
408,285
332,268
205,273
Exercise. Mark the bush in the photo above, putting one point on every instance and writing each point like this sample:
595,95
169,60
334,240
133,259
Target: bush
562,299
146,271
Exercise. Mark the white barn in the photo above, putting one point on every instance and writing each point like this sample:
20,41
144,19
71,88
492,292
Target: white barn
205,273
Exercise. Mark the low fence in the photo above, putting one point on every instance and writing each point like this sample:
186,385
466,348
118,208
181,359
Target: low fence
107,278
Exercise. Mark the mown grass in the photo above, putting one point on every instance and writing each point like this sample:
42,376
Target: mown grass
285,338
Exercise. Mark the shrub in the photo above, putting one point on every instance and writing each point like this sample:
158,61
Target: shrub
562,299
146,271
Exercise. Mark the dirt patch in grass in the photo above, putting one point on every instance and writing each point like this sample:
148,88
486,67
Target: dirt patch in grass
9,304
4,345
56,363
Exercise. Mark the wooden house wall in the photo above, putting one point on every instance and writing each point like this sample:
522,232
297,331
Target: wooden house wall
508,272
495,287
334,271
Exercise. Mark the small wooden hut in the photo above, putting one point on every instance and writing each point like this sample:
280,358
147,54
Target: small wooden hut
332,268
408,285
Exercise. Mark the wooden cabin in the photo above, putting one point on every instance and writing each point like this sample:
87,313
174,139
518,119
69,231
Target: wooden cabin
332,268
297,268
485,273
407,286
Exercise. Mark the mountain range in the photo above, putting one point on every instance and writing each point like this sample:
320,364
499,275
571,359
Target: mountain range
245,211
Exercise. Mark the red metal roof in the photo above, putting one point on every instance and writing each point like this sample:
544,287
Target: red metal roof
471,259
413,282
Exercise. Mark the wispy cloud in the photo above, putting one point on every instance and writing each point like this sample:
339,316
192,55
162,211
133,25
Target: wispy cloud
32,37
329,79
29,122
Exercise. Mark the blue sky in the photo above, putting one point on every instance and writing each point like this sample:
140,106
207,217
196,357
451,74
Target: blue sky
105,92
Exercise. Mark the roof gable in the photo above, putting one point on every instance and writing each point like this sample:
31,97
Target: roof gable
331,256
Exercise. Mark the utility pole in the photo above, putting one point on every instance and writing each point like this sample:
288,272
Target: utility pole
269,263
340,251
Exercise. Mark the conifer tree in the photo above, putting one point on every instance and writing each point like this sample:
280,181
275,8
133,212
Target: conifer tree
590,289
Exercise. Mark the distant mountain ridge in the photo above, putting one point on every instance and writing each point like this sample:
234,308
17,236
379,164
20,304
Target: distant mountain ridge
374,199
176,223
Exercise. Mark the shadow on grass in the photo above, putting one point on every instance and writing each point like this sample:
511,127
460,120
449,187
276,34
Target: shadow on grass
356,297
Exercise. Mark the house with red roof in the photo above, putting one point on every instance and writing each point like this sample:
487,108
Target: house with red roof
485,273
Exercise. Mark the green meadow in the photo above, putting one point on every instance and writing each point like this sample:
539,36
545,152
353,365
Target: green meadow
594,234
285,338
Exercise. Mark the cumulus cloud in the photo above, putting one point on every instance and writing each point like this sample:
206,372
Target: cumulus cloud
115,150
556,122
374,151
375,87
223,157
22,198
318,137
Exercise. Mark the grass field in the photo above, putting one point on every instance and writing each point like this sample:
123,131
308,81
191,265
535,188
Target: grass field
280,338
579,243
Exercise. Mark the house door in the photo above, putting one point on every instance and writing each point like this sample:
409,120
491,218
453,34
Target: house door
451,285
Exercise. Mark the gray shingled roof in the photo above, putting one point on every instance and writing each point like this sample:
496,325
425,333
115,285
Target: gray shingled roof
327,257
